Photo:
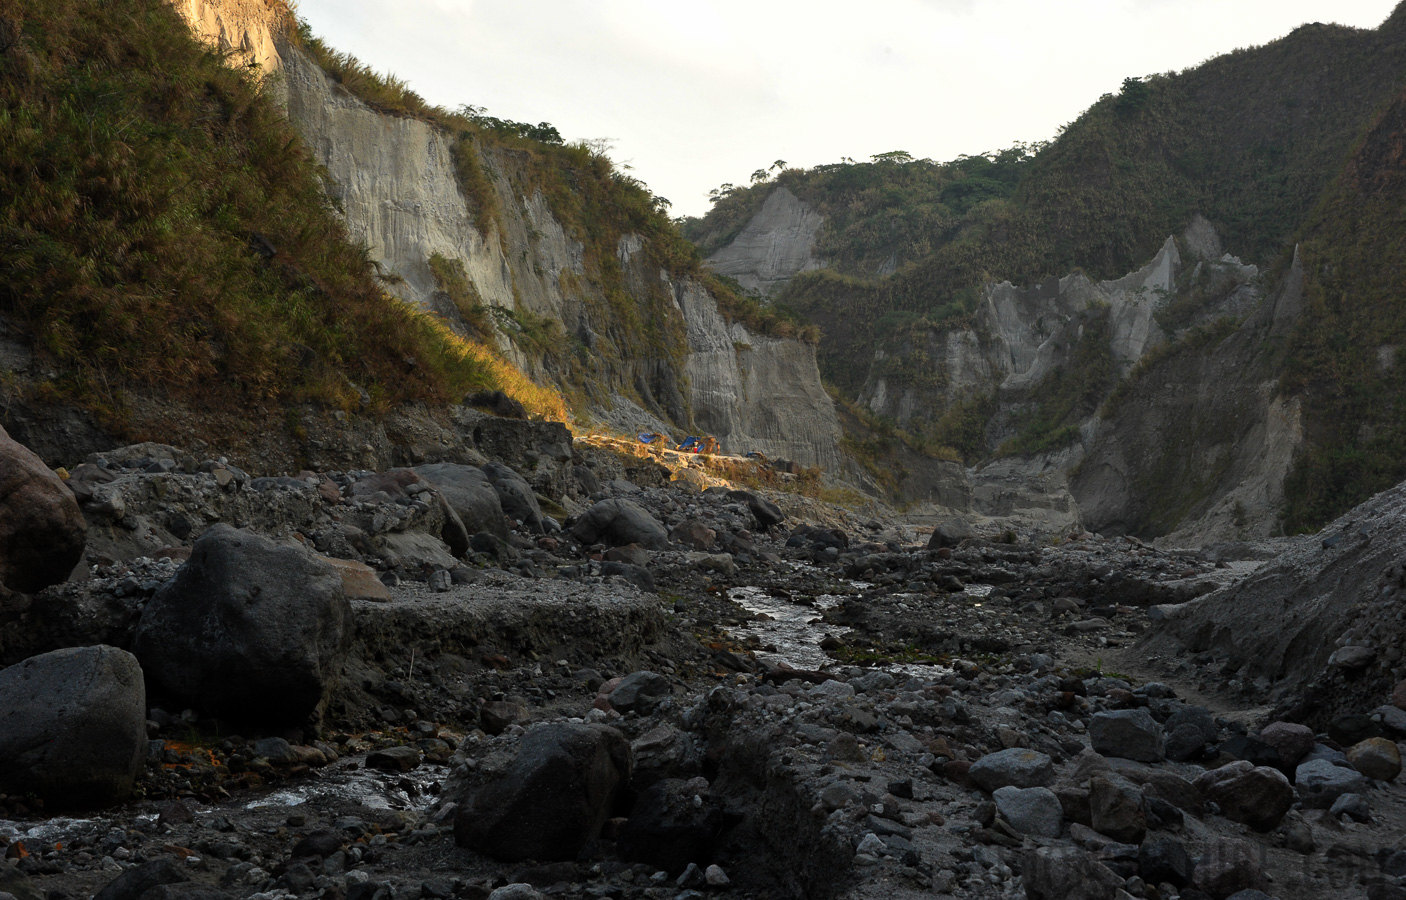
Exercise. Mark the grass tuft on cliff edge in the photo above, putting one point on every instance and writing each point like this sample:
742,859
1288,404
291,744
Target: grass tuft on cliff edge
163,229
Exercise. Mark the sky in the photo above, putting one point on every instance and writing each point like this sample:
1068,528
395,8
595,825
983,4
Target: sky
696,93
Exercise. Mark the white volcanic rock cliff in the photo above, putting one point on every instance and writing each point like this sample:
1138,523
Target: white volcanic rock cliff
394,178
777,244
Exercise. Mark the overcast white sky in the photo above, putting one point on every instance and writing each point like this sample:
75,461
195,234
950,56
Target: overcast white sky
700,92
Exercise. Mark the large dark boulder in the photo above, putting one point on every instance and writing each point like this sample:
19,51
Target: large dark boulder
248,630
553,798
471,495
73,726
949,533
670,826
135,882
42,532
516,496
1258,796
620,522
766,513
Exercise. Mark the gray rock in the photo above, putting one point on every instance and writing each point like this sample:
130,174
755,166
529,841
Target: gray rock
274,749
1392,718
1377,758
1354,806
1185,742
831,689
1033,810
767,514
1116,809
1257,796
1227,866
949,533
1128,734
42,531
1291,740
640,692
470,494
1067,873
135,882
1016,767
519,891
515,495
73,726
1319,783
1165,860
248,629
1198,717
16,884
552,799
394,759
620,522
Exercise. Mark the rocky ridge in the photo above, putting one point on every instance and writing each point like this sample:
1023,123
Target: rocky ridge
1112,471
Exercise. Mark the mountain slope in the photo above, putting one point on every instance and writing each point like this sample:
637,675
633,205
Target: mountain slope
166,234
1246,153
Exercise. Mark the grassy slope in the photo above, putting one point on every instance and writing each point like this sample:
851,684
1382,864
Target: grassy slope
163,229
1347,357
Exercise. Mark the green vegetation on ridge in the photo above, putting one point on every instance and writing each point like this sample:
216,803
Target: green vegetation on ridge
1252,140
1347,357
162,227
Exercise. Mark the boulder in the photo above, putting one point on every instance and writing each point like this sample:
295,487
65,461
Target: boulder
620,522
950,533
1196,717
1116,809
1165,859
495,716
248,630
1377,758
1228,866
694,533
471,495
1127,734
42,532
516,496
139,880
670,826
1258,796
640,692
359,581
1319,782
766,513
552,799
1016,767
1290,740
664,752
1067,873
1033,810
1185,742
73,726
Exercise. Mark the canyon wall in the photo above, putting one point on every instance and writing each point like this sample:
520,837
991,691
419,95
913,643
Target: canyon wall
394,177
